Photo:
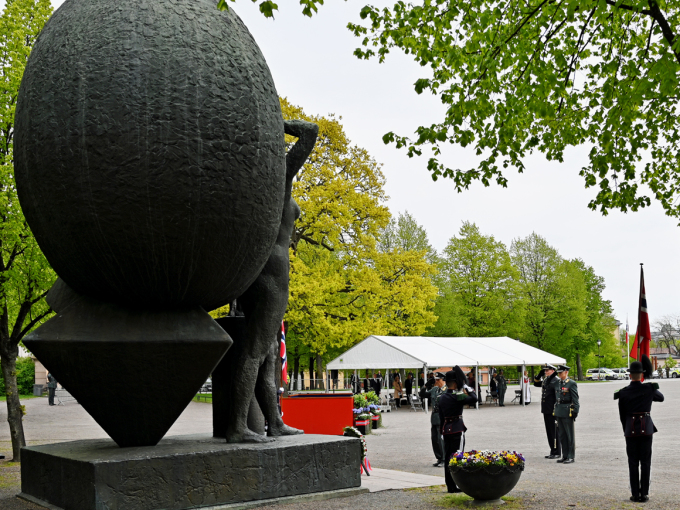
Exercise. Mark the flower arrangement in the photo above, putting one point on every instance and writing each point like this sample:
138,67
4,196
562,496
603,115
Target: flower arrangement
485,458
353,432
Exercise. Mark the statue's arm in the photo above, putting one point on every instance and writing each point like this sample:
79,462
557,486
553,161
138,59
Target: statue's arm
306,132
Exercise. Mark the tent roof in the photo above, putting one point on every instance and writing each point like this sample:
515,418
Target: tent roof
384,352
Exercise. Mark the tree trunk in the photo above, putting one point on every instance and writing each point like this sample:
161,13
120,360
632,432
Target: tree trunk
296,369
312,382
579,368
319,371
15,413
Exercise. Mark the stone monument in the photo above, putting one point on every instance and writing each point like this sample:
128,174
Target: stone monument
151,166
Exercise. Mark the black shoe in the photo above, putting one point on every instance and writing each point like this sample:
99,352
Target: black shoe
568,461
635,499
439,463
561,461
557,456
453,491
643,499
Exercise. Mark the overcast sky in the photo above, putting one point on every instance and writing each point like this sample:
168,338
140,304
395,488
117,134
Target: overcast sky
312,64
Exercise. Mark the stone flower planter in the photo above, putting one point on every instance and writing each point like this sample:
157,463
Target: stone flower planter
486,484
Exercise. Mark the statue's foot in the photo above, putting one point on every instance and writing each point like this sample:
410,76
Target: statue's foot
248,436
284,430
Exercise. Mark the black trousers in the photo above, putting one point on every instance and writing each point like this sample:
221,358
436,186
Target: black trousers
551,432
436,442
50,396
501,397
452,443
639,451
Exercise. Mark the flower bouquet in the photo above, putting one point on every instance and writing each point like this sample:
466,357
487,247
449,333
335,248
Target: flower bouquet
486,475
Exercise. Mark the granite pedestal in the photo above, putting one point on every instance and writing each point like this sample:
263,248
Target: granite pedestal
184,472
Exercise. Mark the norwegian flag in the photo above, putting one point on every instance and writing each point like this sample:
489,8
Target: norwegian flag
644,334
284,358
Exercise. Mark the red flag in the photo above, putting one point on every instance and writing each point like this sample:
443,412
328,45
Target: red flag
643,335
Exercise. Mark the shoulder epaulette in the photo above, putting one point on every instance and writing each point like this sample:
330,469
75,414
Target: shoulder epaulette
653,385
616,394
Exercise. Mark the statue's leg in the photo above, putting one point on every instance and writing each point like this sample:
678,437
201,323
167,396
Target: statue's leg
266,394
241,393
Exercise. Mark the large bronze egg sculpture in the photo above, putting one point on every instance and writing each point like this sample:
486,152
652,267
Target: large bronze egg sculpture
149,151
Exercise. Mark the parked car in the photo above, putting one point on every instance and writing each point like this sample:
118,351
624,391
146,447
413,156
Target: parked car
601,374
621,373
674,372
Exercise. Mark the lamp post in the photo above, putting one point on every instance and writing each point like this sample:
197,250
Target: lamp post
599,342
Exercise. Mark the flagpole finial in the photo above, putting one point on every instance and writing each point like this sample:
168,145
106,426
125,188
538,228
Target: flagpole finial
641,263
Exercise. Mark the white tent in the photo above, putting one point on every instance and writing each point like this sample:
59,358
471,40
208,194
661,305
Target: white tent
416,352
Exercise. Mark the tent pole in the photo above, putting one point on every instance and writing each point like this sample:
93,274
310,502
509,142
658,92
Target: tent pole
477,386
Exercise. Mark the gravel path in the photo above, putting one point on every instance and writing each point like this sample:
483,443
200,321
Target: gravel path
598,479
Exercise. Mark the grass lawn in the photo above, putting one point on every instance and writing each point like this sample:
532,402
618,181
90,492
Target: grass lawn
21,397
203,397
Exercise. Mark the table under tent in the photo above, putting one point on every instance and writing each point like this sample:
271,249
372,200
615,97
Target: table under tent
420,353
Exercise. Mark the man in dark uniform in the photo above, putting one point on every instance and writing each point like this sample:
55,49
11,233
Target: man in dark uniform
433,393
51,388
451,405
635,405
547,380
501,387
566,411
408,384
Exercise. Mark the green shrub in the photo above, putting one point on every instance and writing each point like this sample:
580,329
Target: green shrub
25,377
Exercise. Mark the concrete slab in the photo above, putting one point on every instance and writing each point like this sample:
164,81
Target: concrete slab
389,479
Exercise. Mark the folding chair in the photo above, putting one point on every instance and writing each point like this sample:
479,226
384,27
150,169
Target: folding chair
492,397
518,397
416,403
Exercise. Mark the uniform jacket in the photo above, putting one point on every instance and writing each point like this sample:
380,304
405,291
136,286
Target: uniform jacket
51,381
501,383
450,406
408,384
635,404
566,392
435,393
547,392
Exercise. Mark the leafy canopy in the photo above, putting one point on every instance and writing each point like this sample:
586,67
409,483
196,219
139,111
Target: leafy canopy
345,282
518,76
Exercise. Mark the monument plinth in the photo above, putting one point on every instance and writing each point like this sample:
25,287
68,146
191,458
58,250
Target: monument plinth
184,472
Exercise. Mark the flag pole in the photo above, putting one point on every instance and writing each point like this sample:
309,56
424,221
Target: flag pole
637,336
627,344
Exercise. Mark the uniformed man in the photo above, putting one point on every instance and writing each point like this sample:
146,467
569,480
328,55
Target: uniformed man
433,394
635,405
566,411
547,380
501,387
51,388
451,405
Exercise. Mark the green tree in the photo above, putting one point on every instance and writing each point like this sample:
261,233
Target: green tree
539,266
519,76
406,234
25,275
479,288
343,286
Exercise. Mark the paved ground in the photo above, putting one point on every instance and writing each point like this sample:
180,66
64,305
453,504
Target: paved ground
598,479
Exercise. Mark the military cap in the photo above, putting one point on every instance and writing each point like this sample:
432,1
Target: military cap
563,368
548,366
636,367
439,375
450,376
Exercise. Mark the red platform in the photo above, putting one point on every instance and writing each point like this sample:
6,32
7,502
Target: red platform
319,413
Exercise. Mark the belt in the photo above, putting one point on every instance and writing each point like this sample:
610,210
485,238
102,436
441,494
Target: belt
638,417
